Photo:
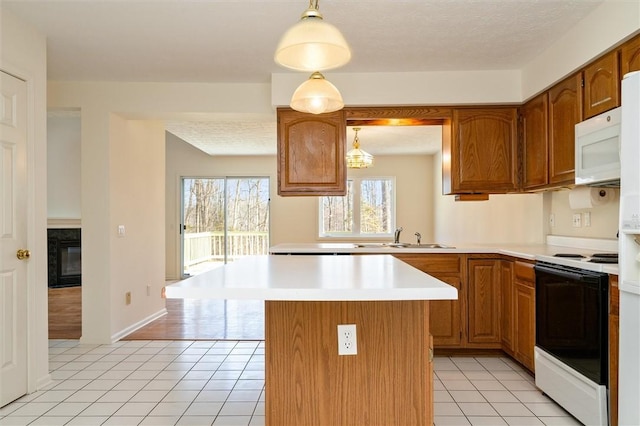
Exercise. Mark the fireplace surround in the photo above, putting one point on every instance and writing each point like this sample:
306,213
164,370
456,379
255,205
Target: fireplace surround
64,257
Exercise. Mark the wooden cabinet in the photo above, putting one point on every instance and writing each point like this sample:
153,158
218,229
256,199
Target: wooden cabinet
534,116
630,56
387,383
524,313
565,110
507,320
601,85
517,310
482,149
311,153
430,401
483,287
445,316
614,342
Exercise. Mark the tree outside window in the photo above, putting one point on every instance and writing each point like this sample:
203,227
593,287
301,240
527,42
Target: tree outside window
367,210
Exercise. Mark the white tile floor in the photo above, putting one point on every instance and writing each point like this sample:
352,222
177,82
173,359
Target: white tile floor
222,383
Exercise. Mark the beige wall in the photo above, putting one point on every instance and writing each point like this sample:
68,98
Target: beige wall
294,219
604,218
23,53
63,166
508,218
137,193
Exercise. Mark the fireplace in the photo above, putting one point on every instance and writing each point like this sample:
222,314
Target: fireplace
65,261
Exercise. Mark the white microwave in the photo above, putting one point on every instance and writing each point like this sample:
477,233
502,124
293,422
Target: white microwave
598,150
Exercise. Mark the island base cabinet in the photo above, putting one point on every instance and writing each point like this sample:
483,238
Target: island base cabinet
388,382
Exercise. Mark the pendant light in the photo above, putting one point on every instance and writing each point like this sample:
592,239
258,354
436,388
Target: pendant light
316,96
357,158
312,44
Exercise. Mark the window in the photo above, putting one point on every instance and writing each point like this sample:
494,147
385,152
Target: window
368,210
223,219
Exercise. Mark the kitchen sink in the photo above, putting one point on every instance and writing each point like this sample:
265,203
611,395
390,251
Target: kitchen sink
429,245
376,245
402,245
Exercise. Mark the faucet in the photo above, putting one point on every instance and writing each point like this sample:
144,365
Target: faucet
396,237
418,237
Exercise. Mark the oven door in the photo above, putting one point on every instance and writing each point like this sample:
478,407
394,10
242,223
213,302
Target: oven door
571,318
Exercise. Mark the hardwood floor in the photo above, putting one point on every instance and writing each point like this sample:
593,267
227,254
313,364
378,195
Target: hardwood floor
186,319
191,319
65,313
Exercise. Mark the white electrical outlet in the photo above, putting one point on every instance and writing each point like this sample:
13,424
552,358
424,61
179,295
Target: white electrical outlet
347,339
148,289
552,220
586,219
577,220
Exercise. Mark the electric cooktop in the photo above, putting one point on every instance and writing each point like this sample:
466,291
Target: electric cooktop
594,258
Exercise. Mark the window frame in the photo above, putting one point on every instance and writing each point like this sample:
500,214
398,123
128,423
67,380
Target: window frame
356,225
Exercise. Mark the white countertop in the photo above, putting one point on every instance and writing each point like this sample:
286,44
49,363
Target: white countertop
314,278
533,252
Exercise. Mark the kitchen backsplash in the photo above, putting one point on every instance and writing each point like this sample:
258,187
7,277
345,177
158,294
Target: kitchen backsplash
603,219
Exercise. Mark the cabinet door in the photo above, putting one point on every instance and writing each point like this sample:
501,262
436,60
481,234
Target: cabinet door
525,323
535,142
444,317
483,151
565,110
630,56
311,156
483,289
507,320
602,85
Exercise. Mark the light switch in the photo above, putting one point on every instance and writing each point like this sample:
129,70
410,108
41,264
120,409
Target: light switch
577,220
121,231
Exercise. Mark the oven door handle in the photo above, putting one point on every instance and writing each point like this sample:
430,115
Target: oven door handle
559,272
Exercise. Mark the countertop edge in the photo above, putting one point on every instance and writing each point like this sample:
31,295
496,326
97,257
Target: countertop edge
528,252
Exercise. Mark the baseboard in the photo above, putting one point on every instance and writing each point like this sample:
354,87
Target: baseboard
43,382
133,327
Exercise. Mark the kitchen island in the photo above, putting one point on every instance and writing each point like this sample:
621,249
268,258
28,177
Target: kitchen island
388,381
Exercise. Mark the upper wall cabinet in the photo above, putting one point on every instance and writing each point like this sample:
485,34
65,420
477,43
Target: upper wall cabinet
602,85
480,156
565,110
311,153
534,117
630,56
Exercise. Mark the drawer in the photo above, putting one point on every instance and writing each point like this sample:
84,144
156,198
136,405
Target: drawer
433,263
524,271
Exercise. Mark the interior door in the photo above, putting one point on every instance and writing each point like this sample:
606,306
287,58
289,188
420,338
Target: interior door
13,237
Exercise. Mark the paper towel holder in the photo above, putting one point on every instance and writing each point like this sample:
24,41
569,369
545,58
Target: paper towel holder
587,197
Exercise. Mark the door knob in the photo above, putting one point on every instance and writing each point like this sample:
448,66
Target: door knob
23,254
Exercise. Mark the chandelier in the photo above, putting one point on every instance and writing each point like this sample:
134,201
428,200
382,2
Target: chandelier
357,158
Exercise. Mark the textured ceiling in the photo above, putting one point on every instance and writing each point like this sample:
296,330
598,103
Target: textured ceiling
258,136
234,41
